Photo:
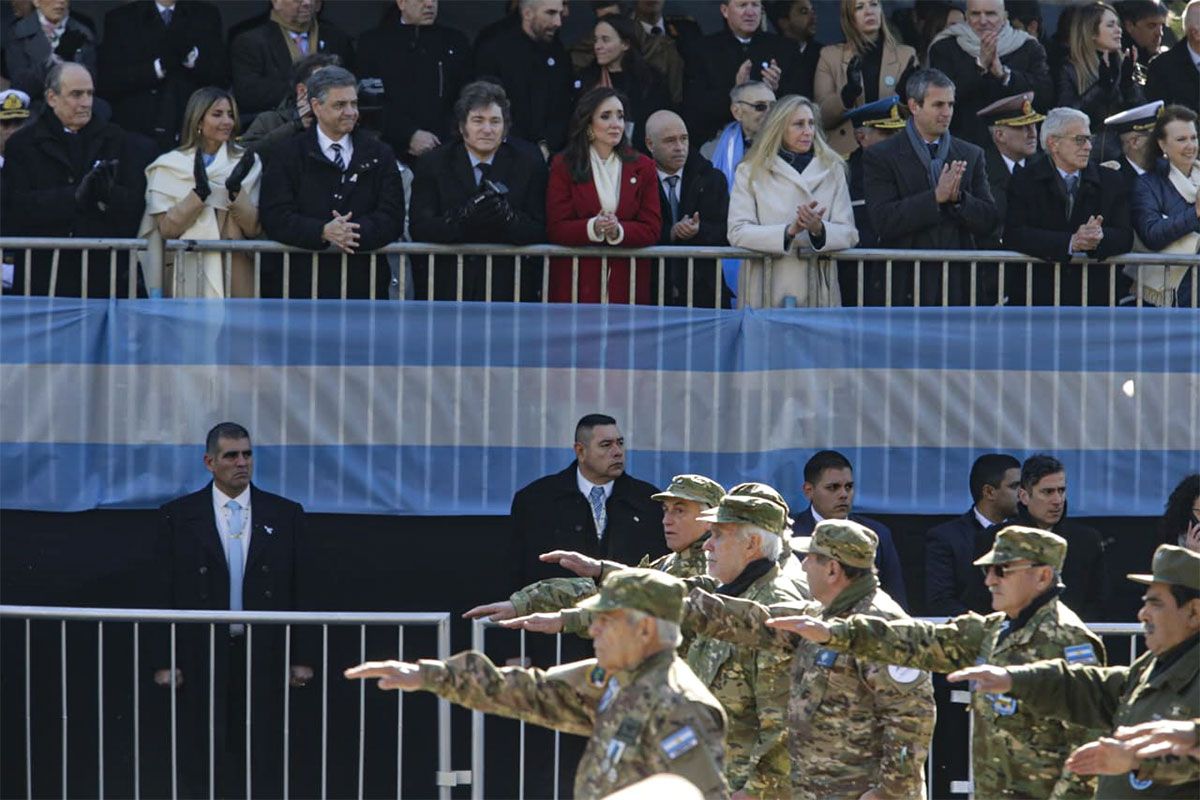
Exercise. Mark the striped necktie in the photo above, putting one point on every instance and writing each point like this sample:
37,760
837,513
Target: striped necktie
338,161
599,513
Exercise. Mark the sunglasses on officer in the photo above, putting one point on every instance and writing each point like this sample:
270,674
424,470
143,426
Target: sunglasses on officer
760,106
1001,570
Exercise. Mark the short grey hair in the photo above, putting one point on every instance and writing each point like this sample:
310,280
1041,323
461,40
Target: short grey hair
737,92
669,633
920,81
770,545
1059,119
53,82
321,81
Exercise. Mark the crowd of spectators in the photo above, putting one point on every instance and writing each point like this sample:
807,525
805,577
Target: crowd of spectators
921,133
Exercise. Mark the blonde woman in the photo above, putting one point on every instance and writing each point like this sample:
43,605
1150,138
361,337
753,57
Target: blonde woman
791,199
207,188
868,66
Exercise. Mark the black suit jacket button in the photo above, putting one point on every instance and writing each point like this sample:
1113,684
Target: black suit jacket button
265,568
204,570
267,593
578,528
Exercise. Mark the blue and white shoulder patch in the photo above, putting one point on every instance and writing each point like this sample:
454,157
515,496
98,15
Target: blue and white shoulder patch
826,658
679,742
1080,654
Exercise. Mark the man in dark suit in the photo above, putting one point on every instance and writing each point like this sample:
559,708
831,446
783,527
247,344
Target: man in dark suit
695,202
1174,76
334,186
262,56
953,585
1064,206
1042,503
423,66
1013,133
531,64
32,45
797,20
928,190
988,59
153,57
479,189
66,174
230,546
829,489
738,53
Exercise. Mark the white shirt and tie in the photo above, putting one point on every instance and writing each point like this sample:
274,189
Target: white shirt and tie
983,521
336,150
1011,165
597,496
233,524
671,184
475,167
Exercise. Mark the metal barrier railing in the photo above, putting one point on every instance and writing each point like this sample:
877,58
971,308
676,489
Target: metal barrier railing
980,277
478,749
445,778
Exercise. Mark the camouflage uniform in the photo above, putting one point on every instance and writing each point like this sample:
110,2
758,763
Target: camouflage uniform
1107,697
1015,753
853,725
656,717
788,565
752,685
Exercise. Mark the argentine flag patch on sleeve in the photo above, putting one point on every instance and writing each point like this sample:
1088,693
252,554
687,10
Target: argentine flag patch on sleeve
1080,654
679,742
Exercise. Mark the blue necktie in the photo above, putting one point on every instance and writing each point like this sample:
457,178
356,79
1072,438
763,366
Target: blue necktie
167,14
596,496
236,559
673,196
338,161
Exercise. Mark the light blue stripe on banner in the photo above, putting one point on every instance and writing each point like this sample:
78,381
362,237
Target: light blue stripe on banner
267,332
478,480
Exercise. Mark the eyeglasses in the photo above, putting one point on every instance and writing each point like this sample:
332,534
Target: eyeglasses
760,106
1081,140
1001,570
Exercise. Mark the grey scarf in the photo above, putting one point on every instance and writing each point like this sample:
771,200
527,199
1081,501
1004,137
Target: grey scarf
934,165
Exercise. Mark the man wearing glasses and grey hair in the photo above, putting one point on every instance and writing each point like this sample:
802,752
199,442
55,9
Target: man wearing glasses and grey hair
1062,206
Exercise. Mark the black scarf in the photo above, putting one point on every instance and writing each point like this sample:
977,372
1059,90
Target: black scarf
1168,659
1022,619
753,571
797,161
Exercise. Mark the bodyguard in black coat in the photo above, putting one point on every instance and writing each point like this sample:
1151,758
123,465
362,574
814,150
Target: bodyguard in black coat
423,66
193,562
144,70
1173,77
451,205
85,184
303,188
953,585
261,60
1038,222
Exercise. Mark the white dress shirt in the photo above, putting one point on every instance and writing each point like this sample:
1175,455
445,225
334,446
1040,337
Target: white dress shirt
1010,165
586,486
981,519
346,142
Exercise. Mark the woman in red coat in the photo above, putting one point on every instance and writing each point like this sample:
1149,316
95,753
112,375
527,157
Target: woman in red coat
602,193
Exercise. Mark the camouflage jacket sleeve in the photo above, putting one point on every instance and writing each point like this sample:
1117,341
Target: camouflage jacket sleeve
771,765
1171,770
551,594
910,642
733,619
703,763
577,621
559,698
1079,693
903,700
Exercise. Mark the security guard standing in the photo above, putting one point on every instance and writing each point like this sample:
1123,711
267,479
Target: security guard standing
645,712
1016,753
1163,684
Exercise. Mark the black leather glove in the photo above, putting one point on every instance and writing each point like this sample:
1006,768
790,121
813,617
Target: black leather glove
200,172
85,192
234,182
854,82
106,179
492,213
1127,67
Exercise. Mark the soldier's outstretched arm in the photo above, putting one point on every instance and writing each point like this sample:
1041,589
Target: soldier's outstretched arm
733,619
1081,693
555,698
910,642
905,711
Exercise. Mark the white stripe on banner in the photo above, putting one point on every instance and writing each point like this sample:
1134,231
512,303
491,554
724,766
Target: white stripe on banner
781,409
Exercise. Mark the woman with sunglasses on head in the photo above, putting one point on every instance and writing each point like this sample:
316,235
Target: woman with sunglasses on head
870,65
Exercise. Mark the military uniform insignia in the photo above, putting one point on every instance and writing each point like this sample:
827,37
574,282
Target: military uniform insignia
1080,654
596,676
826,658
610,694
613,753
1003,705
1140,785
679,742
903,675
629,730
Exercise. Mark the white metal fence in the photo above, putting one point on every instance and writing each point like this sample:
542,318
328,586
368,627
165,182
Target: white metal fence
983,277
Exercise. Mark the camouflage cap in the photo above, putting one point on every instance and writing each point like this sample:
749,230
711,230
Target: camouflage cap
1017,543
647,590
696,488
842,540
1177,566
765,514
766,492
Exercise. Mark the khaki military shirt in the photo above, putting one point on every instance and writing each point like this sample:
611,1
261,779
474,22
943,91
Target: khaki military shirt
1106,697
854,725
655,718
752,686
1016,753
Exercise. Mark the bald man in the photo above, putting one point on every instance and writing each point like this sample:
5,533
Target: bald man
694,198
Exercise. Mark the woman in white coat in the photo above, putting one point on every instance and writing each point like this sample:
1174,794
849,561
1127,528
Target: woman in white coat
791,201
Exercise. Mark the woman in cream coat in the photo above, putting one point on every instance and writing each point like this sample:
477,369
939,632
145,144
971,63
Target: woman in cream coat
870,65
791,200
207,188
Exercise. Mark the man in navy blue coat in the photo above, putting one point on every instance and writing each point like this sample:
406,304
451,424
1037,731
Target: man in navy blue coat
829,489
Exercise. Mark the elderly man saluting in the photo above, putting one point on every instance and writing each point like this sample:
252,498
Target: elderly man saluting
643,709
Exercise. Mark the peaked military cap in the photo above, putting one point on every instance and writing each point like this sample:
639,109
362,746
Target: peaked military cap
882,114
761,512
647,590
1017,543
697,488
1139,118
1014,111
1177,566
766,492
14,104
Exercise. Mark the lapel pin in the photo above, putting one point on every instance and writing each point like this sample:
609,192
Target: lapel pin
268,529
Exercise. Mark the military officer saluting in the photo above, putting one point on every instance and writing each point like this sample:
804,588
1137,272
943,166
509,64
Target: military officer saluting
1017,753
1163,683
643,709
